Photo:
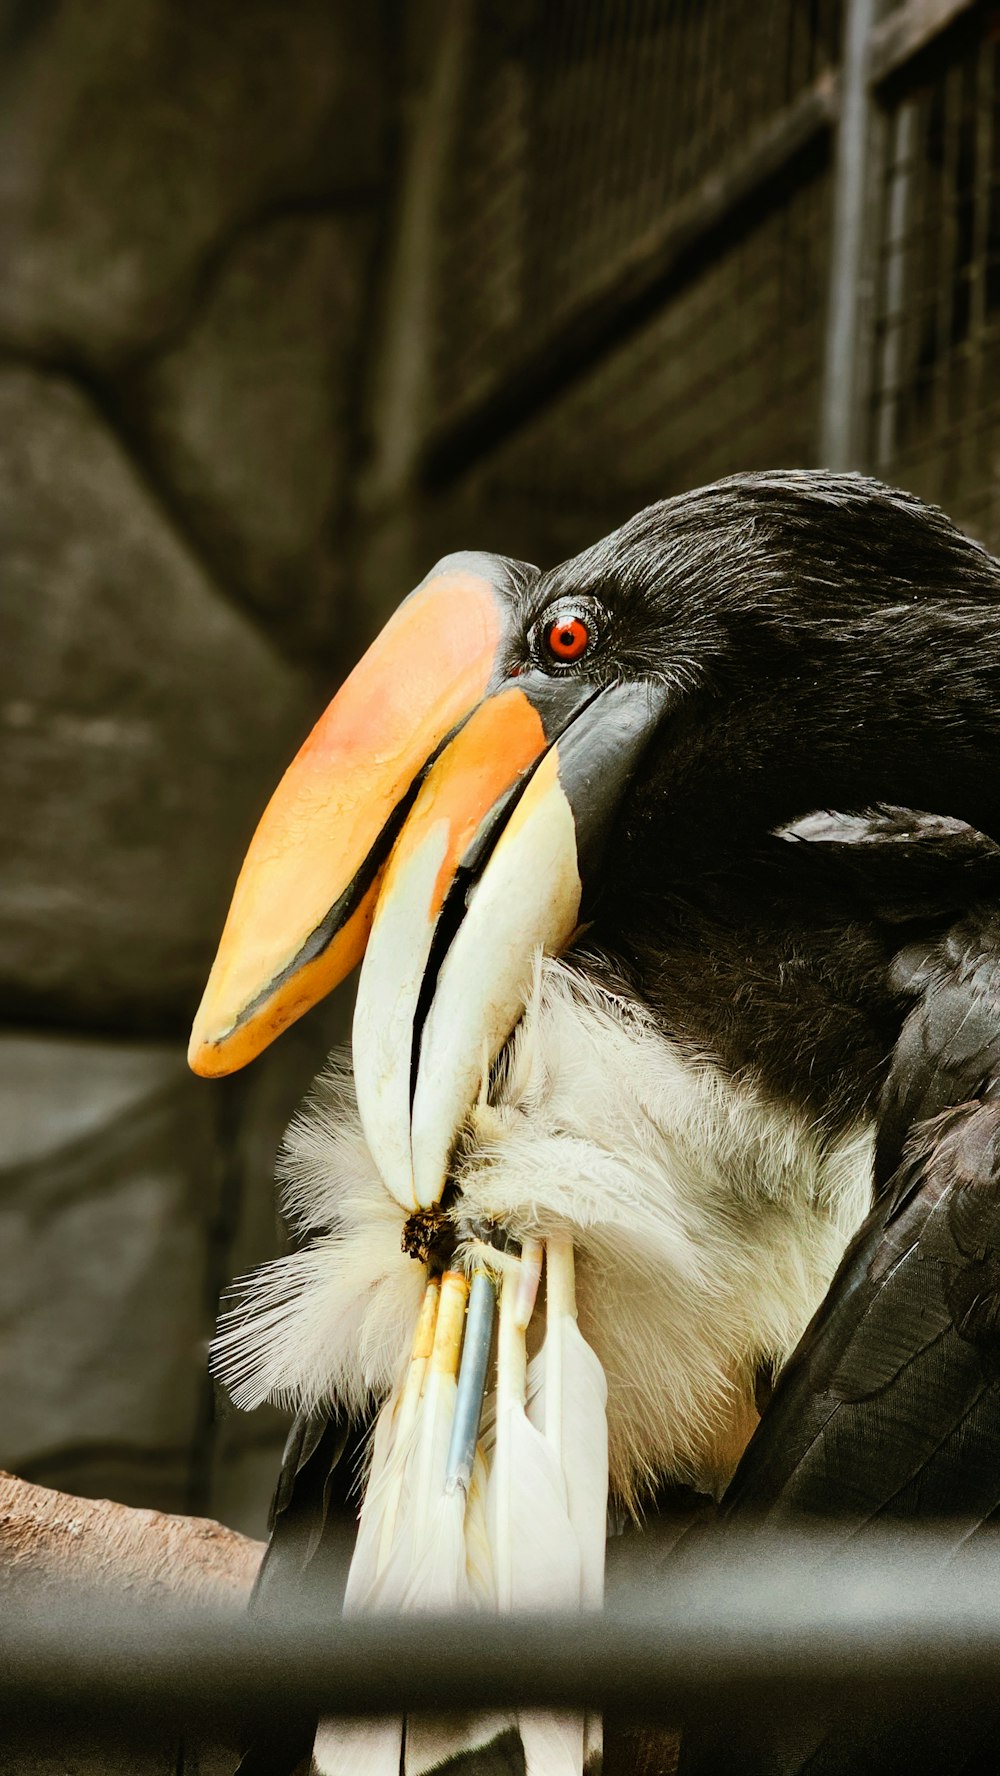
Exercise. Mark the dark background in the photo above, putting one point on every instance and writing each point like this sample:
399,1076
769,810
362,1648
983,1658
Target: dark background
295,298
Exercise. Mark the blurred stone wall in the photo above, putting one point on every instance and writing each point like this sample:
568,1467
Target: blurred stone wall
294,299
191,205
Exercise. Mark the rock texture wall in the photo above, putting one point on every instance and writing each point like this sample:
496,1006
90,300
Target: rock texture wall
190,205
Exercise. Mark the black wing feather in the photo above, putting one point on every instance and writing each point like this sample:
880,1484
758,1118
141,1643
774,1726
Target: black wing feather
949,1047
303,1560
889,1410
890,1407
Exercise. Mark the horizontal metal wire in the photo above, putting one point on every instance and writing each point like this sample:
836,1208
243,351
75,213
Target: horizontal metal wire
783,1627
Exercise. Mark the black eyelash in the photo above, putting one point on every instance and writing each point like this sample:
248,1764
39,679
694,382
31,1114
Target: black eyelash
565,610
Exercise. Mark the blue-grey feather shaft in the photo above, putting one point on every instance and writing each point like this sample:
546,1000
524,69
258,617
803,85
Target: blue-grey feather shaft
471,1381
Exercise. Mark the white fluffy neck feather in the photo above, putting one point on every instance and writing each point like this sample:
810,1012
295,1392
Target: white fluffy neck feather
707,1224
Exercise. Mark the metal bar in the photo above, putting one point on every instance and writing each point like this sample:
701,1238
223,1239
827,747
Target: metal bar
768,1627
898,253
840,441
987,64
947,265
608,309
400,367
909,29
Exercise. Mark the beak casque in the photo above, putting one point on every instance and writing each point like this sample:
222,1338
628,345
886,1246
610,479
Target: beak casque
303,904
446,814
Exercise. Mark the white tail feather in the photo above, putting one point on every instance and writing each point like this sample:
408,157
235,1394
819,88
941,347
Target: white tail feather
528,1536
358,1748
364,1560
478,1555
440,1576
432,1744
568,1403
536,1555
364,1747
442,1579
553,1743
420,1479
567,1399
393,1449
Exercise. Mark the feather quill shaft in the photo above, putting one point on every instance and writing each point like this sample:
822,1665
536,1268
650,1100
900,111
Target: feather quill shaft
471,1381
571,1408
535,1551
437,1402
567,1398
516,1304
441,1573
443,1576
375,1747
394,1433
428,1567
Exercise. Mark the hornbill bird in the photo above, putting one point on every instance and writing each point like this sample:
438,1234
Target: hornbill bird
674,874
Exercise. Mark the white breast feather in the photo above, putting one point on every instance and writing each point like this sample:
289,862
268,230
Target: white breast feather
707,1224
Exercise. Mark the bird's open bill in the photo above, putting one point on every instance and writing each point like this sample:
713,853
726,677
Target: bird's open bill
453,801
303,903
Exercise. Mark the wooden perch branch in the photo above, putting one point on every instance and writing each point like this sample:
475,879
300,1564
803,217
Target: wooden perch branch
59,1539
53,1538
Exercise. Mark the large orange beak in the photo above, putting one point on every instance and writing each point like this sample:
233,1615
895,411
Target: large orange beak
448,811
303,904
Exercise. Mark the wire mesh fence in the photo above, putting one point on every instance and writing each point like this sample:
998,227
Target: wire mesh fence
734,360
935,402
574,128
631,272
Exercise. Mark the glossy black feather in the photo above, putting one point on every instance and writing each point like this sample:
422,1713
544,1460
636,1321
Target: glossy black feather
888,1412
300,1509
784,961
827,643
949,1046
856,977
304,1560
898,1375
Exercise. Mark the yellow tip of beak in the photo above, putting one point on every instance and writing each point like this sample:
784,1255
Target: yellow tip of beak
303,904
227,1034
214,1053
208,1060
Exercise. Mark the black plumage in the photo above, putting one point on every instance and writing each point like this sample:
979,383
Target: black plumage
825,644
888,1414
304,1560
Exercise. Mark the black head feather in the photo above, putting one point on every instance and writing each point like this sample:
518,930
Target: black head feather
828,642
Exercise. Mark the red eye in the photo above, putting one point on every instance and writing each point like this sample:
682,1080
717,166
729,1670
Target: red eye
567,638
